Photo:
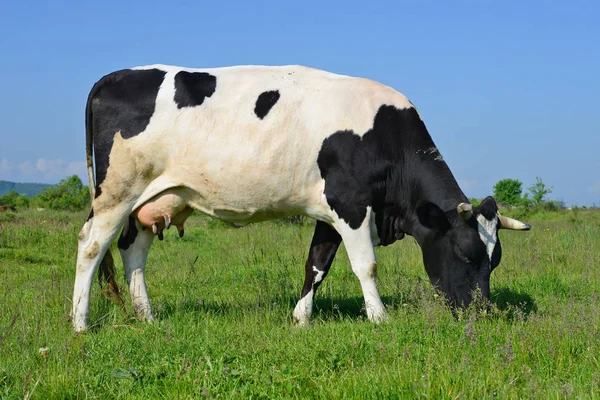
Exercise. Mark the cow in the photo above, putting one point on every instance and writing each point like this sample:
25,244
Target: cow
251,143
8,208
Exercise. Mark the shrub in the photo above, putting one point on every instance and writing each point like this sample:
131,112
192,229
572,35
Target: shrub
538,191
70,194
14,199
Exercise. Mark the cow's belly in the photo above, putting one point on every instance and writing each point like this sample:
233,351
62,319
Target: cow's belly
253,201
234,202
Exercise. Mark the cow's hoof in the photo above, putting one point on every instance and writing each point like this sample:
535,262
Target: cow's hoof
80,328
380,318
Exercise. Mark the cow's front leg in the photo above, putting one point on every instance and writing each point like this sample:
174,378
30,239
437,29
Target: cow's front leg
359,247
323,247
134,245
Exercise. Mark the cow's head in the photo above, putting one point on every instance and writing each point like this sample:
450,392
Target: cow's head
462,247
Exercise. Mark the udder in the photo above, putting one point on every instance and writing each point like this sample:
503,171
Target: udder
162,211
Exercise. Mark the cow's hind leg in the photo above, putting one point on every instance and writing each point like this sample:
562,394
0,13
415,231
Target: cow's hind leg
94,240
323,247
134,245
361,253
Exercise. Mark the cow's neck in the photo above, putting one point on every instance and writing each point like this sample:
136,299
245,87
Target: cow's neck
423,179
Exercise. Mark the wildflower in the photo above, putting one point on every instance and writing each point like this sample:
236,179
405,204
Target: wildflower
43,351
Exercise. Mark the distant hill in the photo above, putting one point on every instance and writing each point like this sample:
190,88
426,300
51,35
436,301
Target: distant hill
28,189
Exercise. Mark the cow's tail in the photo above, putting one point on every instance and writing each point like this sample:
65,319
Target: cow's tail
89,138
106,271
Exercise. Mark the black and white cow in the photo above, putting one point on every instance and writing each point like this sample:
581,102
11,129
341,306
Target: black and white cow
252,143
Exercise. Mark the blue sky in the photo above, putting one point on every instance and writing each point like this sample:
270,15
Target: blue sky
507,89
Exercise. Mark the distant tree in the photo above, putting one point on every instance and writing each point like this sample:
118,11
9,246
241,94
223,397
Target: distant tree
538,191
475,201
508,192
70,194
553,205
14,199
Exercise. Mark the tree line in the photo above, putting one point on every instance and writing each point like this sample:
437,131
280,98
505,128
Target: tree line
72,195
509,192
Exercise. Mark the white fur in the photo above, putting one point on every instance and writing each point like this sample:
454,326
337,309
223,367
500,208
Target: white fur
318,276
488,232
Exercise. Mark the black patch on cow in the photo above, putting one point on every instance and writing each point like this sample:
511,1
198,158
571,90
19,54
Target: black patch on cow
91,214
385,169
264,103
323,247
127,240
344,184
123,101
191,88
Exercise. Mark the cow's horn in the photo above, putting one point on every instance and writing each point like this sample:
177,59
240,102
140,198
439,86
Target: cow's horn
465,210
513,224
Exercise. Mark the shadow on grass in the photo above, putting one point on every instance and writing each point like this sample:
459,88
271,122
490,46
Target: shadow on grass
510,305
328,308
168,308
325,308
516,305
513,305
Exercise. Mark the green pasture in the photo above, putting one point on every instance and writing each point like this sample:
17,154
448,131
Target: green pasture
223,298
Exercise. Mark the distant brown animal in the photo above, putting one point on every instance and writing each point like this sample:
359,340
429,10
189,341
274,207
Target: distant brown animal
7,208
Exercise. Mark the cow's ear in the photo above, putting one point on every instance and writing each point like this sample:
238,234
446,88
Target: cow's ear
488,208
432,217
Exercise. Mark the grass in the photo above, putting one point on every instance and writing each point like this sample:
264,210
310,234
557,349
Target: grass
223,298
